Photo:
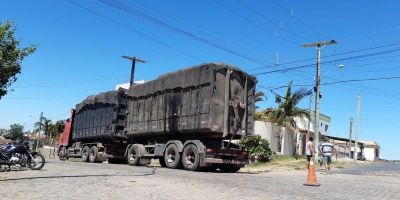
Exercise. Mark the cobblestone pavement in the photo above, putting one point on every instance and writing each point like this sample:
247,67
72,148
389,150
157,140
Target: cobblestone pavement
76,180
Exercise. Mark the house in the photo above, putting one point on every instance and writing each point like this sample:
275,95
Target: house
126,85
371,150
285,141
3,132
343,149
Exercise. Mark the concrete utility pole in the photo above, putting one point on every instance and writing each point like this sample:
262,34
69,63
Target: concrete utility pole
351,129
357,128
134,60
318,45
40,129
310,113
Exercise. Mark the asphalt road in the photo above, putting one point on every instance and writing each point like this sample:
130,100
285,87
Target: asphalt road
77,180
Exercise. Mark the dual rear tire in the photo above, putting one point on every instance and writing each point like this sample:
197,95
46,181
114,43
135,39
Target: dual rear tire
90,154
172,157
85,154
189,159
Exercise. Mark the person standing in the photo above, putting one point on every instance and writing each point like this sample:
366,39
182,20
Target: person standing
327,150
310,150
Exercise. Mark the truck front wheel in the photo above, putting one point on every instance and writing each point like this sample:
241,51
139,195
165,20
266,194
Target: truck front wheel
172,157
191,157
63,153
85,154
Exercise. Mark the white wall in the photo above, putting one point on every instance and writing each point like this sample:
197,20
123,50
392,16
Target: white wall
269,132
302,124
369,153
273,134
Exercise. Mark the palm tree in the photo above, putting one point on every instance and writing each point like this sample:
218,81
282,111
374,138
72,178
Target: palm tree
258,97
286,112
44,125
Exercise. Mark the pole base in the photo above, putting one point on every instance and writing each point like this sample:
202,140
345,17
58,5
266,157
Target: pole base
312,184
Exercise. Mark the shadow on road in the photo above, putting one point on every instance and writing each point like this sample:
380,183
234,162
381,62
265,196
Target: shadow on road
153,172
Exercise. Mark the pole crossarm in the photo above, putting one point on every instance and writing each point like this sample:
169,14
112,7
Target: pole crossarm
320,43
134,60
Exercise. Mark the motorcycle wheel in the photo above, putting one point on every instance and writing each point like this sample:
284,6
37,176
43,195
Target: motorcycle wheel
36,162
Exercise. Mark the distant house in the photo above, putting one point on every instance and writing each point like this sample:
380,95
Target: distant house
371,150
3,132
126,85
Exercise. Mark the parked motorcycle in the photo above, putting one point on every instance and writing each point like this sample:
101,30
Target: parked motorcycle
20,153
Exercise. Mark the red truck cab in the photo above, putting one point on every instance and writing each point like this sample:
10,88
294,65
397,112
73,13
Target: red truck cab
65,136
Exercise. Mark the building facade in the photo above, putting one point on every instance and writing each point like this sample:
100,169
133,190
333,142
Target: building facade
285,141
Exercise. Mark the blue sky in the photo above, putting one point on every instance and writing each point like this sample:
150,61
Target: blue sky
79,53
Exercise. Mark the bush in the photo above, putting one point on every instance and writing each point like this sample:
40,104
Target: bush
257,147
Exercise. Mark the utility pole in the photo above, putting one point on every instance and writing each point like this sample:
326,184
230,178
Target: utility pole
134,60
351,129
357,128
310,113
309,120
319,46
40,129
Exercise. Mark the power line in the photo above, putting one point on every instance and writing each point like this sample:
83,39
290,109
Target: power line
343,81
135,31
331,55
270,21
298,19
331,61
262,28
223,38
165,25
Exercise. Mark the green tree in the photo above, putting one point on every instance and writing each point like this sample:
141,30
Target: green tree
44,125
16,132
54,128
286,112
11,56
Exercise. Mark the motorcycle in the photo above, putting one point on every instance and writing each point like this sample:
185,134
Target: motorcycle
20,153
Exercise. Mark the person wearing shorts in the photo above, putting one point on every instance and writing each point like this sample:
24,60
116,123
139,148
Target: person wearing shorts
309,151
327,150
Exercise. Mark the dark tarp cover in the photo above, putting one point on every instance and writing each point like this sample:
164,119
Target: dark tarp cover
182,79
109,97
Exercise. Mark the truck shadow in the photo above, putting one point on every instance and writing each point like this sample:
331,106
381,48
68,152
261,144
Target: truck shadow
153,172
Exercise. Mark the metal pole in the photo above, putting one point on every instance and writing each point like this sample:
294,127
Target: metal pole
350,132
132,71
357,128
310,113
134,60
40,129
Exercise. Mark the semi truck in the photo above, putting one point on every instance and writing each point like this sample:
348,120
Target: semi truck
186,119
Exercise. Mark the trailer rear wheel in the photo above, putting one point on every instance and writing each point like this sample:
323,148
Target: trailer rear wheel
133,155
172,157
93,154
191,157
85,154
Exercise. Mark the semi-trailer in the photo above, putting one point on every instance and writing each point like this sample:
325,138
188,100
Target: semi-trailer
188,118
